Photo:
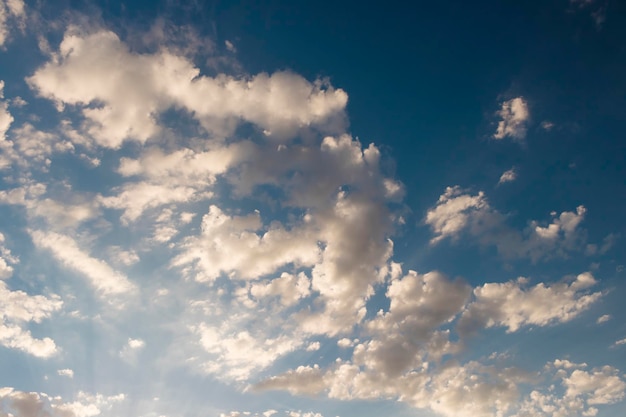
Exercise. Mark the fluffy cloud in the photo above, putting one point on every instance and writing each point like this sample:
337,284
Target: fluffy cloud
515,116
6,259
458,213
17,309
238,245
583,391
132,89
11,12
66,372
32,404
513,306
6,119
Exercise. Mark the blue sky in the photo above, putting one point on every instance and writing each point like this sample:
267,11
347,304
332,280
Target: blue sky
267,208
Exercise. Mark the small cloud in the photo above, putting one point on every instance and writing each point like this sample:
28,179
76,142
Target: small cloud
603,319
230,46
18,102
136,343
547,125
508,176
130,351
313,347
515,116
620,342
66,372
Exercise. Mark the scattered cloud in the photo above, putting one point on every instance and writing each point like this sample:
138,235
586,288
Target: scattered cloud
459,213
515,116
508,176
30,404
66,372
603,319
66,250
620,342
513,306
18,309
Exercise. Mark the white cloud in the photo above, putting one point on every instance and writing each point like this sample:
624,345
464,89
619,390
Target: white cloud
620,342
236,355
6,119
314,346
17,309
135,198
11,12
6,259
603,319
32,404
583,390
131,349
66,372
135,88
67,251
289,288
513,306
515,116
508,176
459,213
241,246
454,211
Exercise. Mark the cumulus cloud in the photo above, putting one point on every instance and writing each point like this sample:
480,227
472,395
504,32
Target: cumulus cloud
515,115
583,391
218,249
277,238
513,306
459,213
18,309
603,319
66,372
132,89
31,404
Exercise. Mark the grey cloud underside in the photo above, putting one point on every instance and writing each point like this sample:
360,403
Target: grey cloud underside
273,284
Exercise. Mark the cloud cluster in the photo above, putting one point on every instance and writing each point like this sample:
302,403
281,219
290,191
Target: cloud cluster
32,404
460,213
18,309
512,306
273,226
400,352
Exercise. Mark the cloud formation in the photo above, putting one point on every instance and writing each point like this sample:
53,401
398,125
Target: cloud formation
458,213
514,116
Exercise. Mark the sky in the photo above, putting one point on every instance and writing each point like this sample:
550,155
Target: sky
310,209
